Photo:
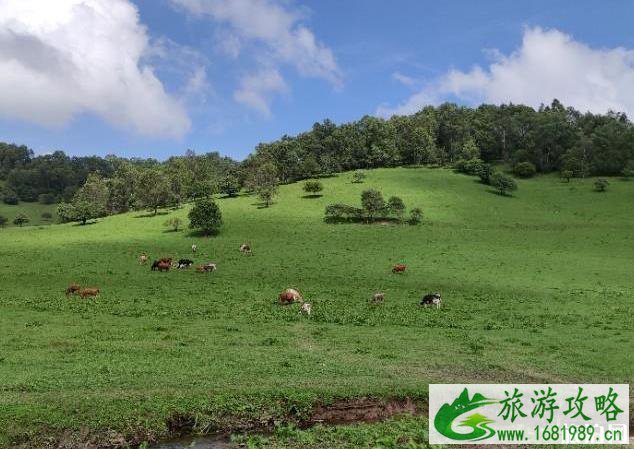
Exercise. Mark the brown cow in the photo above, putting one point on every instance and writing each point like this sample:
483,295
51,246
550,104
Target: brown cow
143,259
72,289
289,296
164,266
166,260
92,291
207,268
399,268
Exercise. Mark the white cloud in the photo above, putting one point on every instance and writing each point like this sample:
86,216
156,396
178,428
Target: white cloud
256,90
277,29
404,79
549,64
62,58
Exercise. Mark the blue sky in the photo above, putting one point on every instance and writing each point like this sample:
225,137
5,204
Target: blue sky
156,77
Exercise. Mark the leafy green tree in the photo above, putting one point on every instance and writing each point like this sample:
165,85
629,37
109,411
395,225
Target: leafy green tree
372,203
504,184
21,220
396,207
230,185
205,216
524,169
415,216
601,185
173,223
358,176
264,182
3,221
566,175
151,189
628,170
91,200
485,171
66,212
313,187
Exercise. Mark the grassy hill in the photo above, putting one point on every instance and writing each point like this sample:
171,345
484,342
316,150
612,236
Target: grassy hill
536,288
33,210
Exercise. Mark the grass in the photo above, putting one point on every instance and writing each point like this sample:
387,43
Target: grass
536,288
33,210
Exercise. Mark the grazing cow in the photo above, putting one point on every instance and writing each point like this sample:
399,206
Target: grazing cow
184,263
290,295
378,298
155,265
245,249
166,260
306,308
143,259
72,289
399,268
194,248
164,266
207,268
92,291
432,299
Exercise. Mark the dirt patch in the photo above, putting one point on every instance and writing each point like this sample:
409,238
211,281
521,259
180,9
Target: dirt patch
347,411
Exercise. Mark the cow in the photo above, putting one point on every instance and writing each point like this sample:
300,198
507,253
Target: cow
92,291
72,289
245,248
306,308
431,299
289,296
194,248
399,268
163,265
143,259
166,260
207,268
155,265
378,298
184,263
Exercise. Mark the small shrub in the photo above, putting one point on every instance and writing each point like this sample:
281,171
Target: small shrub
313,187
415,216
396,207
601,185
343,211
46,216
3,221
525,169
566,175
504,184
173,223
469,166
358,176
485,172
11,199
206,216
21,220
628,170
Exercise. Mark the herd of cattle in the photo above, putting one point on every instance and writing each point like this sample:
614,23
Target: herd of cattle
288,296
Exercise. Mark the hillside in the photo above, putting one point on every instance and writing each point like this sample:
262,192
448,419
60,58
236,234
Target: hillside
536,287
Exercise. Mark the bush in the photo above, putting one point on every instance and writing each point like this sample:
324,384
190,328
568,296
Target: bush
11,199
396,207
46,216
46,198
205,216
415,216
525,169
173,223
3,221
469,166
628,170
21,220
372,203
313,187
566,175
343,211
485,171
601,185
358,176
66,212
504,184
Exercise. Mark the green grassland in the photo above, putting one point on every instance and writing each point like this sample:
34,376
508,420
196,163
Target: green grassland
537,287
33,210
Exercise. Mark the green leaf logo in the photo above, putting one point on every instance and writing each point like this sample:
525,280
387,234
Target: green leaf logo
479,424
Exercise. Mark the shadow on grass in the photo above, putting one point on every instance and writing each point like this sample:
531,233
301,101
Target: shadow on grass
88,223
498,193
152,214
312,196
375,221
171,231
261,205
198,233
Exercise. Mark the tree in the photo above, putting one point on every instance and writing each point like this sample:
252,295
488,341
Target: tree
230,185
10,198
66,212
396,206
485,172
313,188
628,170
21,220
566,175
415,216
205,216
372,203
173,223
91,200
524,169
601,185
358,176
264,182
151,189
3,221
504,184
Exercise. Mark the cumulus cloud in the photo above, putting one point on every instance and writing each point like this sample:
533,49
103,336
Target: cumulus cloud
68,57
275,27
257,89
549,64
404,79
